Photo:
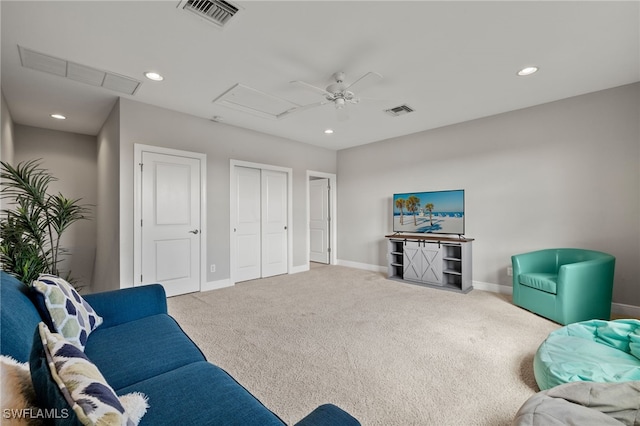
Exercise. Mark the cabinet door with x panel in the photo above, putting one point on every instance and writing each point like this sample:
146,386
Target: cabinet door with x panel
423,262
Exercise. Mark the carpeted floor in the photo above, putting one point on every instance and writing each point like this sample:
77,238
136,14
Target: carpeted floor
389,353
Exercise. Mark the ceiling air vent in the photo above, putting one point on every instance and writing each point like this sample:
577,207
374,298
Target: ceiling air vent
399,110
217,11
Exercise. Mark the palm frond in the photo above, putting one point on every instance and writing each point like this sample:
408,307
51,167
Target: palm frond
30,232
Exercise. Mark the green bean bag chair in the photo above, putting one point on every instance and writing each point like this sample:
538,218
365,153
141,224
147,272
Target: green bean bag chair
592,351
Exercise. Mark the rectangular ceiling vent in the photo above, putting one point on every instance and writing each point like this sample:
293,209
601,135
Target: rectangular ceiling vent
81,73
399,110
217,11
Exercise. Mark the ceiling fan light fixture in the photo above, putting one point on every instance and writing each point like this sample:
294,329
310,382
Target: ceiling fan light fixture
527,71
339,102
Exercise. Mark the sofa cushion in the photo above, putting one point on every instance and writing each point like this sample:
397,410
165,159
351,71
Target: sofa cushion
137,350
18,318
66,381
70,314
540,281
201,394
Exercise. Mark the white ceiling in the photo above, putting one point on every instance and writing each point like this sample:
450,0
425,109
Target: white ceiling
450,61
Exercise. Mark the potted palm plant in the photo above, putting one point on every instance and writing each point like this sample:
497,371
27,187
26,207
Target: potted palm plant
34,222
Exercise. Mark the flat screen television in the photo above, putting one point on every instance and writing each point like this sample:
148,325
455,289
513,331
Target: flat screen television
434,212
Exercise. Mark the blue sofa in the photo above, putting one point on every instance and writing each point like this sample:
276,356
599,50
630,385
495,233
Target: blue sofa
140,348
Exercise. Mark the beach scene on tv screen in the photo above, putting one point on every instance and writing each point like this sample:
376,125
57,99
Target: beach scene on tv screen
429,212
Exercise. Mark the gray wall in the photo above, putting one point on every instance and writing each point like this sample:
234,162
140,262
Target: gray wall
6,135
107,264
149,125
563,174
71,158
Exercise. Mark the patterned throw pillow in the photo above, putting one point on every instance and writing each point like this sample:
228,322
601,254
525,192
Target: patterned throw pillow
70,314
83,386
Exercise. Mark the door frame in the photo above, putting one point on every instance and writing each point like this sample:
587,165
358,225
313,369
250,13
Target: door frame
232,211
137,206
333,214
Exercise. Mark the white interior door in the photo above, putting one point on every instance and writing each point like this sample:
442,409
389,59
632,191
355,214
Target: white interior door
248,224
319,220
170,222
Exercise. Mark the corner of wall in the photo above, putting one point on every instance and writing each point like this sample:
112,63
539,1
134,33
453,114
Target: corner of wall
6,136
107,263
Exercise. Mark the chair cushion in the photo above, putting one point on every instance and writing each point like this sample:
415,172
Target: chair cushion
540,281
137,350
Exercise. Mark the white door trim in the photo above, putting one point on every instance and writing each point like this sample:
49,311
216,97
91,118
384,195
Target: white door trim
137,207
232,198
333,214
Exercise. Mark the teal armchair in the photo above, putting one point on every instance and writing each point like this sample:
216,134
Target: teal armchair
566,285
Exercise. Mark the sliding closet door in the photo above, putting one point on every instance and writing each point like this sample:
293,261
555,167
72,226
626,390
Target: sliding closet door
260,223
248,223
274,223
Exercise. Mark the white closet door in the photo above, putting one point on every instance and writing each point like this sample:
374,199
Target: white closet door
248,223
274,223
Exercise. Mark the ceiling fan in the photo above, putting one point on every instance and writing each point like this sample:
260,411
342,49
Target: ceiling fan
338,93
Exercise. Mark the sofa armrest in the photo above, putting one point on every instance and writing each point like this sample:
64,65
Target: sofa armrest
328,415
128,304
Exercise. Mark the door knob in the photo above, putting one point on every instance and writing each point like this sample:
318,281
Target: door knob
195,231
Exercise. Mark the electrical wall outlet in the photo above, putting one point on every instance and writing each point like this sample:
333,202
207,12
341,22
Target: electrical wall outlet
213,267
510,271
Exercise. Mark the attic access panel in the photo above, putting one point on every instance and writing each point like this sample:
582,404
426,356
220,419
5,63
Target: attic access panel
253,101
77,72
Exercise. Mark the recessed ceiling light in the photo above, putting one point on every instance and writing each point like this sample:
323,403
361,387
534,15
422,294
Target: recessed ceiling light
527,71
328,131
153,76
58,116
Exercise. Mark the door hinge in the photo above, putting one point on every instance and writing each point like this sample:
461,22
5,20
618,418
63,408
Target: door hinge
140,277
141,165
140,222
329,250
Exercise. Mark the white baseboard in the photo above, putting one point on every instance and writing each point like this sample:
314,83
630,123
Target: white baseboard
215,285
298,269
493,288
365,266
619,309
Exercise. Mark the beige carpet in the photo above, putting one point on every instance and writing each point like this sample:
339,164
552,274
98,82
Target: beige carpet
389,353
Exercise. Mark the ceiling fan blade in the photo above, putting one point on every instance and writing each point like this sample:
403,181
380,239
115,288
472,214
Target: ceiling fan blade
301,108
311,87
369,78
